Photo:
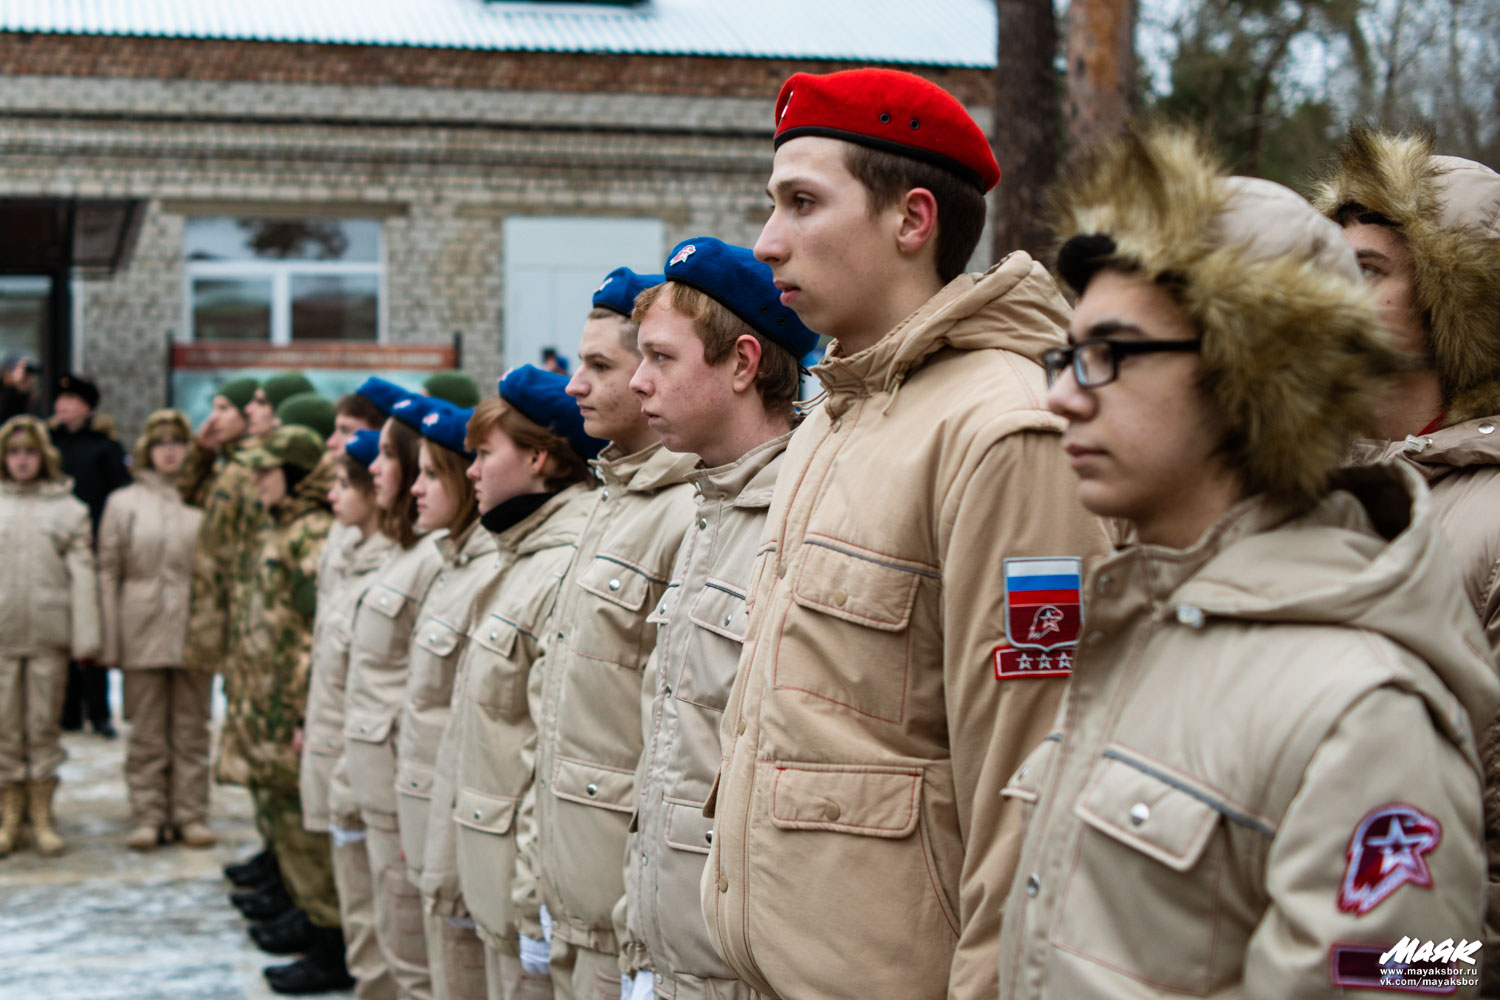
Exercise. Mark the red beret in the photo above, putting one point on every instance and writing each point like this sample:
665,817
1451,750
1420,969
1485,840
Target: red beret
888,110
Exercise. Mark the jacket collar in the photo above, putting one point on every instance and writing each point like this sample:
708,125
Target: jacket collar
361,555
1448,449
472,542
539,530
55,487
648,470
747,482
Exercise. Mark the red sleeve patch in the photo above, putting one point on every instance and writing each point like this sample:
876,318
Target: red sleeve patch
1043,616
1386,851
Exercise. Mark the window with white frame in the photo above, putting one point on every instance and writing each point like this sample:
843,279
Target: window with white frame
282,280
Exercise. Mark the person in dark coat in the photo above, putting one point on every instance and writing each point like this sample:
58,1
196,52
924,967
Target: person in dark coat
95,460
18,394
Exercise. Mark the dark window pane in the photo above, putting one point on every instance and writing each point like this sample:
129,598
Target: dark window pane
231,309
335,306
345,240
23,315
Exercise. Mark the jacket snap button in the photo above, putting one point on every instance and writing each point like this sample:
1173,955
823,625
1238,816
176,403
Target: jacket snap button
728,618
702,523
1033,884
780,570
362,729
1139,813
840,598
1486,428
740,729
668,690
463,560
477,814
604,494
831,810
709,836
1190,616
614,585
592,789
837,423
432,638
723,884
644,859
492,636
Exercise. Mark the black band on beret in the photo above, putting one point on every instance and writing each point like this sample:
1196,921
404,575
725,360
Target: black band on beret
885,146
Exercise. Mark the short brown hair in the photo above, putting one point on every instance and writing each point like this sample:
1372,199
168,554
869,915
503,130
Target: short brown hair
778,378
361,409
627,330
960,206
450,466
399,523
357,471
564,465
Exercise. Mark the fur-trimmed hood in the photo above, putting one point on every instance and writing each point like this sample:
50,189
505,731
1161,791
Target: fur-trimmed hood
1292,346
1448,211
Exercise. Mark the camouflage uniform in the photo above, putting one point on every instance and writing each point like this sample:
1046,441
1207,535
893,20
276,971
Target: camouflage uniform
267,703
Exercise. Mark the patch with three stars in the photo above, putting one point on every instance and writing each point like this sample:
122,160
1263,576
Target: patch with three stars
1387,850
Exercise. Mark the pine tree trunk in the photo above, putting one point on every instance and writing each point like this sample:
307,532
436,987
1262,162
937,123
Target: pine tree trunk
1101,70
1025,131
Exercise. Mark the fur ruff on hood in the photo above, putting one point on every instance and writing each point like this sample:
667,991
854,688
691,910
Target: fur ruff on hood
1292,347
1448,211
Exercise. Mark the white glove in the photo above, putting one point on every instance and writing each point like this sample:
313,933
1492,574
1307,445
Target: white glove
535,957
546,918
643,988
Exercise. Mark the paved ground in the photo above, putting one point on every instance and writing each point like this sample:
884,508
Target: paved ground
105,923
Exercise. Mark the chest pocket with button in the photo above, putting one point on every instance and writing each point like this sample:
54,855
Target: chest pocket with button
849,639
707,673
434,661
384,624
492,678
1150,835
612,629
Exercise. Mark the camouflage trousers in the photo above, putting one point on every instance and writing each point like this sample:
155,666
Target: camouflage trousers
306,858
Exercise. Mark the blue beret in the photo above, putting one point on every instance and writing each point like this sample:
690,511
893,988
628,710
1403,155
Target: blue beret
736,280
540,396
385,395
446,424
410,409
363,447
620,287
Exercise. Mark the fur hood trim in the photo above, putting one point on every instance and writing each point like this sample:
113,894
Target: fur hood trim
1292,345
1448,211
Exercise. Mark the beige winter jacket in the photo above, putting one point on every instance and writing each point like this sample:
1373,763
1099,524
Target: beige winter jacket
1462,467
146,540
701,625
49,594
484,765
379,657
443,624
1265,773
348,569
859,844
588,701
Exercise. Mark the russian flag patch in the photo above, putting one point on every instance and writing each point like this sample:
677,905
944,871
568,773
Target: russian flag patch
1043,617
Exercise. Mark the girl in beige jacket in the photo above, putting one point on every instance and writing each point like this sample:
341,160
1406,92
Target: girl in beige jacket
49,609
146,541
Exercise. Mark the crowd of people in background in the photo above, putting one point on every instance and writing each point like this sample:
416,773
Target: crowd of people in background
1126,629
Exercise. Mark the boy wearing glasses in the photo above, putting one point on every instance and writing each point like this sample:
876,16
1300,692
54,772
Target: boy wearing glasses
1263,781
920,560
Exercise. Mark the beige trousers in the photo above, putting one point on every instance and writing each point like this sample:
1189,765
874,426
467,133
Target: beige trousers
166,755
31,700
356,887
580,973
506,980
455,959
398,908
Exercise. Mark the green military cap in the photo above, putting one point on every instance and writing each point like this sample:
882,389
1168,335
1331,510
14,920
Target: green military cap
295,446
239,391
456,387
279,387
308,409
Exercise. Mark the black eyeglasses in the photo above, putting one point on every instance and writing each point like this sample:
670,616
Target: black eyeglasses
1097,362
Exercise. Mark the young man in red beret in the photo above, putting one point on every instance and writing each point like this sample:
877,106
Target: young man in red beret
914,603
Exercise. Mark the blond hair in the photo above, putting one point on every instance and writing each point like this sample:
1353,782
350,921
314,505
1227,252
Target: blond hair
163,425
35,437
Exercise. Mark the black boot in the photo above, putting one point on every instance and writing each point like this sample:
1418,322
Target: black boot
254,871
321,970
262,904
288,934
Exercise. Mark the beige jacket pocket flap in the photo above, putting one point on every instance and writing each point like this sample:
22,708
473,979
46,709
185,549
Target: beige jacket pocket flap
1026,783
368,727
593,785
867,801
324,740
497,635
437,638
1162,817
616,582
386,600
485,813
414,779
687,828
855,587
721,611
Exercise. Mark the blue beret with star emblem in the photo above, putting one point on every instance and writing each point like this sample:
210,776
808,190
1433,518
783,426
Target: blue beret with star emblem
620,287
736,280
385,395
363,447
541,397
440,422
